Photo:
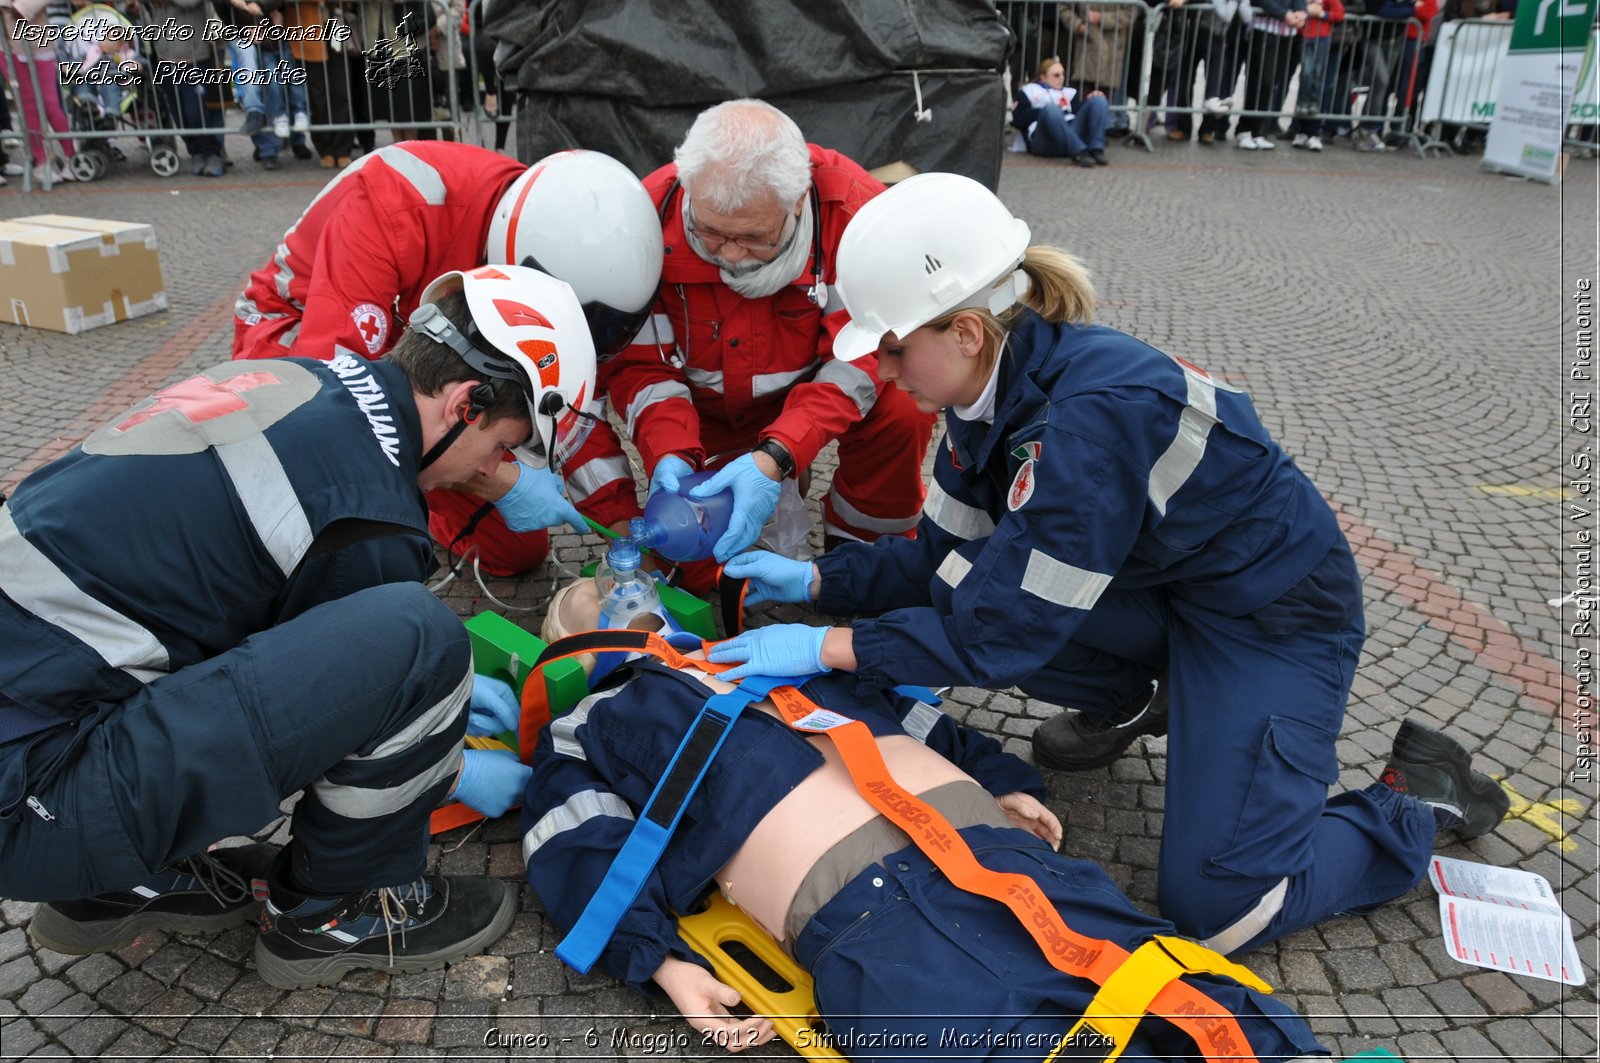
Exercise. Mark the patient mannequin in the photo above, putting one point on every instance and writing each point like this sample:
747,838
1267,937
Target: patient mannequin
891,945
766,872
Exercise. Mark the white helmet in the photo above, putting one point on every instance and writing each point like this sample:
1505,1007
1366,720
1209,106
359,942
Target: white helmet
585,218
933,243
527,328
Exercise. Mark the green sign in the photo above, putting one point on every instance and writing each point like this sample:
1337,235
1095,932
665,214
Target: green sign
1552,25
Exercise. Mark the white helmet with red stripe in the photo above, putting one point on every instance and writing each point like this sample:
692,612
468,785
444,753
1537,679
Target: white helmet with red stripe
527,330
584,217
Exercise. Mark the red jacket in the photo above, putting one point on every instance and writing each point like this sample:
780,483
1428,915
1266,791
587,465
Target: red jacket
1316,28
354,266
765,364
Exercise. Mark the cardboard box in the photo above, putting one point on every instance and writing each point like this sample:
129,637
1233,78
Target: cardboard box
72,274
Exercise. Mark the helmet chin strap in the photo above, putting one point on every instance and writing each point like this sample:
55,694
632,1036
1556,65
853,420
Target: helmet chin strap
482,396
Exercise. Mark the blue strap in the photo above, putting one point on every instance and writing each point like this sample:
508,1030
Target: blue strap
922,694
637,858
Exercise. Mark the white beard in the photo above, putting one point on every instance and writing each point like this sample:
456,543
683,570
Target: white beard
754,279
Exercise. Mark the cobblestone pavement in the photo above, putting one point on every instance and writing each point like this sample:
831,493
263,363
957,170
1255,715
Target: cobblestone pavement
1405,327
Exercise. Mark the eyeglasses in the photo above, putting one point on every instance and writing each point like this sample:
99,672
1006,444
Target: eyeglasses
714,240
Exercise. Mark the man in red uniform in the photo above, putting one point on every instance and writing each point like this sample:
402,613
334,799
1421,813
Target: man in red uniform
351,270
738,352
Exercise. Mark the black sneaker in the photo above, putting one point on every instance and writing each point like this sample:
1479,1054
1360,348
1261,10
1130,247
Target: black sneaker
421,926
254,122
200,895
1099,157
301,152
1071,741
1437,770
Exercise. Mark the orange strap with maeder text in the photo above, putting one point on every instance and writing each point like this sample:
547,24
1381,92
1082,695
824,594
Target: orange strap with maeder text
1213,1028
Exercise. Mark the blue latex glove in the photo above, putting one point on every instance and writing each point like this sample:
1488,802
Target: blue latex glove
538,500
492,780
777,650
755,496
773,577
669,470
495,707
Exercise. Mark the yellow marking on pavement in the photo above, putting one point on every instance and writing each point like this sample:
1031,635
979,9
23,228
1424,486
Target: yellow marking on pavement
1547,816
1524,490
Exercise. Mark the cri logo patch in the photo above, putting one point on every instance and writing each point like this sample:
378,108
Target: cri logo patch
372,324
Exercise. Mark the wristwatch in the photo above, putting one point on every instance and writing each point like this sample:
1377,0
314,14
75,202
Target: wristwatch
779,454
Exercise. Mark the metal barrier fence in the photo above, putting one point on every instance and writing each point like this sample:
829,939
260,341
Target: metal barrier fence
1211,62
319,81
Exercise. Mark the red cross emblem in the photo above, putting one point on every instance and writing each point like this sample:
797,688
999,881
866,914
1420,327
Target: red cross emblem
200,398
373,324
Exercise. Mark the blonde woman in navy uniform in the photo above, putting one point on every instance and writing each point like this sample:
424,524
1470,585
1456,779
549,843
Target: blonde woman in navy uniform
1105,518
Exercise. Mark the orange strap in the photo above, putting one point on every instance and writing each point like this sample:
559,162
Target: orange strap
1214,1029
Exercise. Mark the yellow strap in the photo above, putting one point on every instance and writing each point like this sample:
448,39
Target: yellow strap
1114,1013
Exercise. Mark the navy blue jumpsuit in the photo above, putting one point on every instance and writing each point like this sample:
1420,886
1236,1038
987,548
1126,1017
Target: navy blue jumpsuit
1126,514
215,603
905,964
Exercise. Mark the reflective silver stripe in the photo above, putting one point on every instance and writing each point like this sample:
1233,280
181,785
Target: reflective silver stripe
564,731
863,522
852,380
657,332
430,722
289,335
284,275
594,474
953,569
421,176
1173,469
919,722
957,518
245,308
575,811
647,397
772,383
1253,922
33,581
1063,584
704,379
268,498
360,802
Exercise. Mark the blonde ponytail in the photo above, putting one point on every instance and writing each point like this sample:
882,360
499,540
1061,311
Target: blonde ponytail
1060,289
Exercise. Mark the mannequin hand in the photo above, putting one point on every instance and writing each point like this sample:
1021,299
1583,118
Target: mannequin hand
538,500
778,650
773,577
1025,811
669,470
704,1002
495,708
492,780
755,496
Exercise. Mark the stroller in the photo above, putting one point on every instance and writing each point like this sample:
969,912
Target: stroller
105,45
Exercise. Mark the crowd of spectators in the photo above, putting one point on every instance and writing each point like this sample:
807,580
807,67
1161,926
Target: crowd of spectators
313,96
1314,70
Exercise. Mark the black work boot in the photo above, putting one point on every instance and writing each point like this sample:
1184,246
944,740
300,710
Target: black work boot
1071,741
202,894
421,926
1437,770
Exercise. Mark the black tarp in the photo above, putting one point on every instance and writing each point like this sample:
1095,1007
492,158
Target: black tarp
627,77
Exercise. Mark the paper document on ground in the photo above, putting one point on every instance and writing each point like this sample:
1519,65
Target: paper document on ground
1505,919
